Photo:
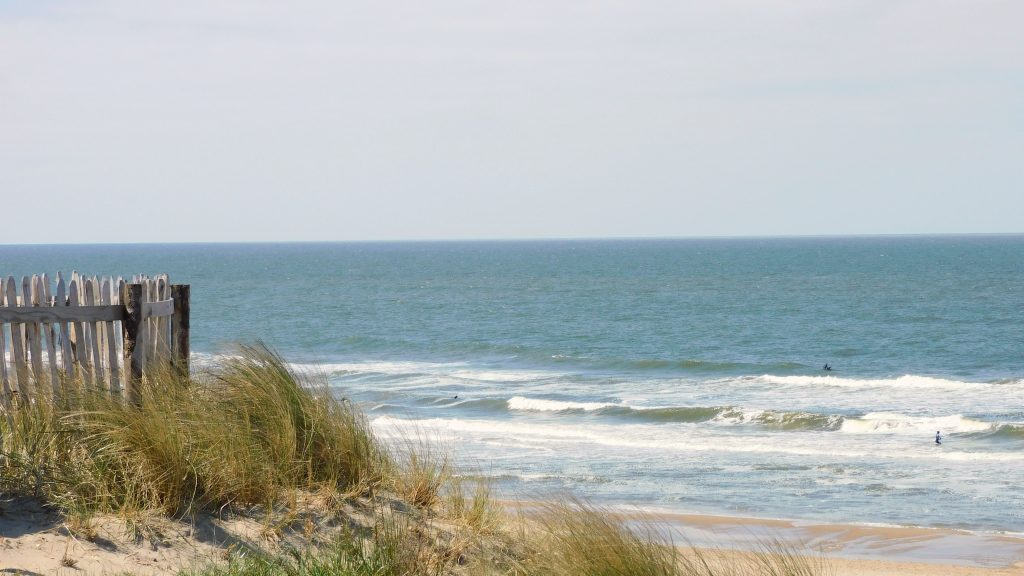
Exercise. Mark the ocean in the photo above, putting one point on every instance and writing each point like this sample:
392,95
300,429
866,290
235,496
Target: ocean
669,375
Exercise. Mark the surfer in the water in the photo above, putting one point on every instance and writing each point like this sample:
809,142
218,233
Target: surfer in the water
826,368
938,437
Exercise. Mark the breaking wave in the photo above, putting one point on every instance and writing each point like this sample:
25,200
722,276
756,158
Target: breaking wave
893,423
907,381
685,414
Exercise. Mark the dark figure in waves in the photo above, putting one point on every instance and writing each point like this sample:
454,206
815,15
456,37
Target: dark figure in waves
826,368
938,438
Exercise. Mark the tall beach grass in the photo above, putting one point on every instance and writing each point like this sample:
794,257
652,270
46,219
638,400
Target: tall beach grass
248,432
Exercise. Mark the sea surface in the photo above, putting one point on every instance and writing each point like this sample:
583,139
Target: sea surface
670,375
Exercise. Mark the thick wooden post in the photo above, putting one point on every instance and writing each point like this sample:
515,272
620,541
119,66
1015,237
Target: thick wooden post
134,339
180,347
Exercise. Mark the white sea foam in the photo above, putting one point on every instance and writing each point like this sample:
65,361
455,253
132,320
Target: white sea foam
536,405
738,416
543,437
456,370
905,381
382,367
204,360
389,424
893,423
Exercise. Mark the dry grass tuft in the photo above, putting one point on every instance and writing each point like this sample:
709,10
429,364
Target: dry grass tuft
474,508
421,475
580,539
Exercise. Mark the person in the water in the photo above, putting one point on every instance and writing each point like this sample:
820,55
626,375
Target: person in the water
826,368
938,437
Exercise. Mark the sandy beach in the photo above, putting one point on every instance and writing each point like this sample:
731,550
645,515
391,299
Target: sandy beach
850,549
855,550
857,543
36,541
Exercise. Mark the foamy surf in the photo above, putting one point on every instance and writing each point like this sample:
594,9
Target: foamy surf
396,368
782,420
907,381
639,440
720,415
892,423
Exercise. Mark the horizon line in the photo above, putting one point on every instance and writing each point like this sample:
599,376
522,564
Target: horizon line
534,239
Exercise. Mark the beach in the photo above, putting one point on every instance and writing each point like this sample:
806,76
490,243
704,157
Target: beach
863,549
849,549
36,541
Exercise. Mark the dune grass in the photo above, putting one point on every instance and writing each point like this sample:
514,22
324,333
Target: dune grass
580,539
424,473
576,538
253,433
249,432
471,503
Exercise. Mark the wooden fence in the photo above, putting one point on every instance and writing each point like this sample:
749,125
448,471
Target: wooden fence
88,332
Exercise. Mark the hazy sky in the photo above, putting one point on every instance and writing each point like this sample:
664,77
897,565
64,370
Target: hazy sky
163,120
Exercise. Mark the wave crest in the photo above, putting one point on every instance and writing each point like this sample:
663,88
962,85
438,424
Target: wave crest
783,420
726,415
894,423
906,381
1006,431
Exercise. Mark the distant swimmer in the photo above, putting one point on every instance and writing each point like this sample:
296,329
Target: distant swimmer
456,397
826,368
938,438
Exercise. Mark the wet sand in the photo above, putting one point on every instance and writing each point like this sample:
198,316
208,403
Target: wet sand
851,549
859,549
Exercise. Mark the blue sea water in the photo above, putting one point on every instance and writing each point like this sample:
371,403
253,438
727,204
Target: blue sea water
676,375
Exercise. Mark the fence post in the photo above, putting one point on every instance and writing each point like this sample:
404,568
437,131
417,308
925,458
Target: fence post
134,339
180,347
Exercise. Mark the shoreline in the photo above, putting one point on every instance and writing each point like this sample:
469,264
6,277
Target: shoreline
857,541
854,546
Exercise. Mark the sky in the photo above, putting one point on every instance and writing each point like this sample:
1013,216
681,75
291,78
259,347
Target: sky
324,120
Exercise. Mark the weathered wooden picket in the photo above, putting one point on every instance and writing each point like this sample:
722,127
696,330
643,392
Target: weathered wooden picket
88,333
